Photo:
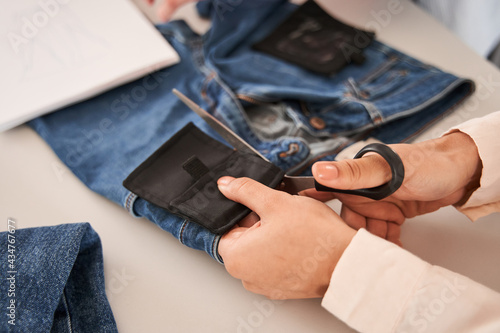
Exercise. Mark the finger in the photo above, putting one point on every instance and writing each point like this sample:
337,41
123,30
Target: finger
369,171
394,233
353,219
249,220
166,10
273,293
377,227
227,243
321,196
388,210
255,289
256,196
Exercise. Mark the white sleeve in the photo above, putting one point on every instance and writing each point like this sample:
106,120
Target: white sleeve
380,287
485,133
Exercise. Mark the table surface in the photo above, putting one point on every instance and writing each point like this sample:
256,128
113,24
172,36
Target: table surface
155,284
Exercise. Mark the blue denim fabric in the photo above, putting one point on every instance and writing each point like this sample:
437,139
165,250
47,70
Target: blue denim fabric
391,96
53,280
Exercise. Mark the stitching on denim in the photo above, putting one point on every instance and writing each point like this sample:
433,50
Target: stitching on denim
251,137
213,247
204,89
374,113
352,87
70,328
214,252
181,233
378,71
128,202
448,111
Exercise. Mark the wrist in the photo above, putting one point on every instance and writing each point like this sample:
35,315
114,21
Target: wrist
341,240
463,154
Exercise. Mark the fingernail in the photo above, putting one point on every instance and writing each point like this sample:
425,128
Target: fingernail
326,171
224,181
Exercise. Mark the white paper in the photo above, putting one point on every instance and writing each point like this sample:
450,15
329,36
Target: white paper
57,52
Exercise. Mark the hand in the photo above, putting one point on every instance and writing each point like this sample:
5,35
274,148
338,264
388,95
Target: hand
167,8
438,173
288,247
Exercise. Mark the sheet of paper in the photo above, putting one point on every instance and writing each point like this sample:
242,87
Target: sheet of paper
57,52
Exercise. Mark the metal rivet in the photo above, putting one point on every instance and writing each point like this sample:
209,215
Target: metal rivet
317,123
292,149
364,94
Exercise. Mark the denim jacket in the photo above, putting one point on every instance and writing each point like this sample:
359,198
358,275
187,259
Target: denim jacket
292,116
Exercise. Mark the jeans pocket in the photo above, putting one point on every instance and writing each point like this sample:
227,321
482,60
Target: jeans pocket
387,79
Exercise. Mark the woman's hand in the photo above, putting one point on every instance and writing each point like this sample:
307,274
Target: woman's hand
288,247
438,173
167,7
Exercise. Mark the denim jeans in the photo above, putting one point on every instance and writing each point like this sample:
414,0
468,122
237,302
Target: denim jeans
54,280
292,116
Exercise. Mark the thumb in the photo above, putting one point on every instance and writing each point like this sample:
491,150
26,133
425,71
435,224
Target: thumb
256,196
369,171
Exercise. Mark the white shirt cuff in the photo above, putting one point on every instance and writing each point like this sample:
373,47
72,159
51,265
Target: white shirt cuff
484,132
361,284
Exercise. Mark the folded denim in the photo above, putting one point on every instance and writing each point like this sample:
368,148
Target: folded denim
309,117
55,280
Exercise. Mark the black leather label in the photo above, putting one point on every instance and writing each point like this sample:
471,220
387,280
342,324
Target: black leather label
181,176
316,41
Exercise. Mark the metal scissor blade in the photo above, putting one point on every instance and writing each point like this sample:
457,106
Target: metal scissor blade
295,184
232,138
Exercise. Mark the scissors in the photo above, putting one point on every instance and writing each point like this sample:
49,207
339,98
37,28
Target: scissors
295,184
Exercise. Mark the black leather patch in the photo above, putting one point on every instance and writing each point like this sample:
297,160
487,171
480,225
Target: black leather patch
181,176
316,41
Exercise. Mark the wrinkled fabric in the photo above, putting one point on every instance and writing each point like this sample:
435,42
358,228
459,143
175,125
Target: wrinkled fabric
391,97
54,280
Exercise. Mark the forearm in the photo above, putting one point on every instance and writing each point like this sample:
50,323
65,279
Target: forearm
379,287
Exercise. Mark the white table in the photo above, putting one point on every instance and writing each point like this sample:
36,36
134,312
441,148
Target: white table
155,284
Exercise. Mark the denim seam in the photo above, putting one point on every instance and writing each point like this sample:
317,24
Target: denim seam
411,111
416,83
67,311
351,85
433,99
433,121
181,233
234,99
204,89
389,52
129,203
215,252
378,71
374,113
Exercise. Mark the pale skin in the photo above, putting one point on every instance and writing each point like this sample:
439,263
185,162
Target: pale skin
275,250
289,246
167,8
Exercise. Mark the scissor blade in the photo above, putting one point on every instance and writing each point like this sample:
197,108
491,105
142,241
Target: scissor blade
295,184
232,138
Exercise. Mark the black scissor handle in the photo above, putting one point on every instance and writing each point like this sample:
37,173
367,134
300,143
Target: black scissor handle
382,191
